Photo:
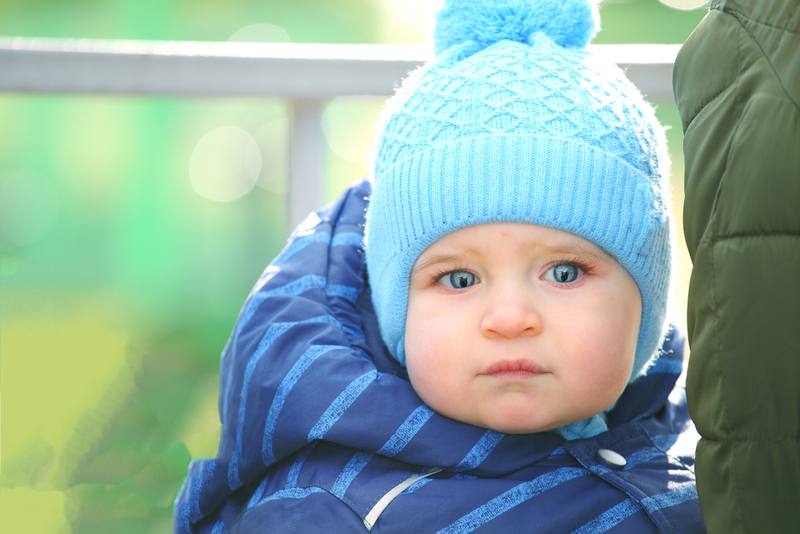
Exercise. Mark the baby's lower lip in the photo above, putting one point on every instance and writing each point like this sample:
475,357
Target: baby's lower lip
513,375
514,370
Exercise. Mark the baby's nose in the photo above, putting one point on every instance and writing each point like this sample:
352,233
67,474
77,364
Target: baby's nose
511,313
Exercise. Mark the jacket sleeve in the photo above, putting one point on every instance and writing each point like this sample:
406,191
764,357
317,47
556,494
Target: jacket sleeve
737,85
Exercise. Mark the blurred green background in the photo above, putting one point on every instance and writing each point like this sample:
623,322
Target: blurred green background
131,233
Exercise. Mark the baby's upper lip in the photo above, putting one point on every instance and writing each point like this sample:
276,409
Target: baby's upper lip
514,366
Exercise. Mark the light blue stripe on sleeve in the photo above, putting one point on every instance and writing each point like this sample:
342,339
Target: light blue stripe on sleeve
210,468
671,498
249,310
610,518
294,472
480,451
347,292
299,244
293,288
196,487
218,527
256,497
294,493
350,472
613,516
286,385
341,404
513,497
273,333
185,524
307,282
641,456
406,432
345,238
353,239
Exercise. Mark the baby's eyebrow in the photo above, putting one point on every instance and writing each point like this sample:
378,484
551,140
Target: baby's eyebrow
457,258
580,249
436,260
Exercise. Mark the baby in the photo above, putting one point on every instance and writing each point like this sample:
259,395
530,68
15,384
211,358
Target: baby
497,358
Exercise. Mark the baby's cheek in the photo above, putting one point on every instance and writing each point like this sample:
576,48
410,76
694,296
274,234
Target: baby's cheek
423,383
606,382
435,355
430,380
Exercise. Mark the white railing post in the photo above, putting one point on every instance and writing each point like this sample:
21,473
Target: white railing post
306,161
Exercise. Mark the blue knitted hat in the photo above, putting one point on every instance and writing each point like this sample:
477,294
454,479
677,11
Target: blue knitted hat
514,120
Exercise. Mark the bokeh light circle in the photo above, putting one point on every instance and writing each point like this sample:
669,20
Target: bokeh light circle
225,164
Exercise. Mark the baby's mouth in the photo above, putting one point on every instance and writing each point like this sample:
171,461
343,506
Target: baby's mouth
514,370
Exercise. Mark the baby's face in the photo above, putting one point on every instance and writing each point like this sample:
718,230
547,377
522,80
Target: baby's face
520,328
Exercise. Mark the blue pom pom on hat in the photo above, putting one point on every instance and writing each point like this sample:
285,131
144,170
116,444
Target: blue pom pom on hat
514,120
569,23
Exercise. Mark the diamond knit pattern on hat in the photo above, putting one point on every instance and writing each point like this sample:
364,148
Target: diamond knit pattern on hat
526,90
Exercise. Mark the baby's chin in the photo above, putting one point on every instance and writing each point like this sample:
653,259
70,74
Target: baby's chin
529,423
520,429
514,425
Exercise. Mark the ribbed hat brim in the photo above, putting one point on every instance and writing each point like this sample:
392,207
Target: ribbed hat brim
548,181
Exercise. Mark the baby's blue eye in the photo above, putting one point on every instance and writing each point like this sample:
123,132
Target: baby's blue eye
458,279
563,273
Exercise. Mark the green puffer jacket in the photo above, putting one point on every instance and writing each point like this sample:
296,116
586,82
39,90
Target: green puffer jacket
737,85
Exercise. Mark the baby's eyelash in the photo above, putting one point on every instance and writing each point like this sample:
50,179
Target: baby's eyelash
586,266
439,272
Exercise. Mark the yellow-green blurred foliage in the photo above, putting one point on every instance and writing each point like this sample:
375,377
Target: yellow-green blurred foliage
131,231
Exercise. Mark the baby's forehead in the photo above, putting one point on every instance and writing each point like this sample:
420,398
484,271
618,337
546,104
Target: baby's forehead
525,238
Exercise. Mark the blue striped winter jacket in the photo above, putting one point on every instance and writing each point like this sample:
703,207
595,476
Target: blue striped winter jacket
322,432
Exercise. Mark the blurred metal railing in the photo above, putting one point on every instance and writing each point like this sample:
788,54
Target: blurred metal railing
307,75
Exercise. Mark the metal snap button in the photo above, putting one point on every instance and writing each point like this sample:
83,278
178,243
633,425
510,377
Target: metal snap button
611,459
